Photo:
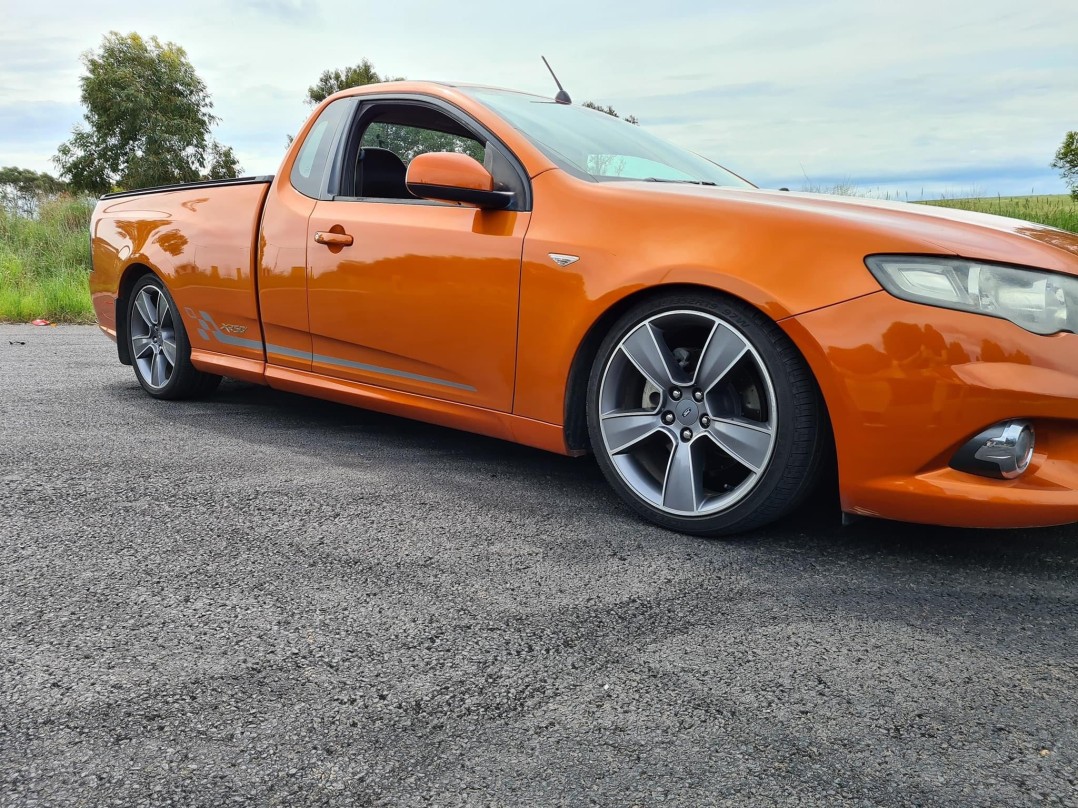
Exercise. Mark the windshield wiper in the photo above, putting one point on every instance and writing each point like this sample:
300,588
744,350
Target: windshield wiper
688,182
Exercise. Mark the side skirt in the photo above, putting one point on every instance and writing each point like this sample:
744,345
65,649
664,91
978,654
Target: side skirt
235,367
506,426
502,425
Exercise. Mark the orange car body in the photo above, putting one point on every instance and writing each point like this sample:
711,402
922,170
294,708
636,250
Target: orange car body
459,316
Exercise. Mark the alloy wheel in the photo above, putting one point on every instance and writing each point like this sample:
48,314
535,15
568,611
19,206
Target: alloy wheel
687,413
153,337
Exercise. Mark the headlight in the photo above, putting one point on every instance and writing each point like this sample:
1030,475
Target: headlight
1038,301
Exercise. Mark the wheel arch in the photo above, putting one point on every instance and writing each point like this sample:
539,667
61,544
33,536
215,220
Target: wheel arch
130,277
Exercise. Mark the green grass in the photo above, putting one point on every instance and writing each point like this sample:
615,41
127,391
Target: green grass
44,263
1060,210
1054,210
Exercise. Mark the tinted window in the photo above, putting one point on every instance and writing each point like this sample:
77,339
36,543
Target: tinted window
408,142
389,133
310,165
392,135
593,144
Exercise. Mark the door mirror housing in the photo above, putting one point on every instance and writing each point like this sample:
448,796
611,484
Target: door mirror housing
452,177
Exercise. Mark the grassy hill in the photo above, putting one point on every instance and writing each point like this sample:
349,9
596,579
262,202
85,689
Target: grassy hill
1059,210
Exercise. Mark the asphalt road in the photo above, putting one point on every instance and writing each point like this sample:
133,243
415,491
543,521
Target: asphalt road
268,600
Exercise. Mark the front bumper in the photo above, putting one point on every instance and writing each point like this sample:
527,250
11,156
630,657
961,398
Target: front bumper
907,385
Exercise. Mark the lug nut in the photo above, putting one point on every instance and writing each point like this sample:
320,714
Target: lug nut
705,421
697,395
686,434
675,394
668,418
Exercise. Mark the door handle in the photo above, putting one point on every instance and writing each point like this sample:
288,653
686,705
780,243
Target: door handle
333,239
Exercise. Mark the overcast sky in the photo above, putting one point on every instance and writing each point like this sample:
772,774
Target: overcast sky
906,97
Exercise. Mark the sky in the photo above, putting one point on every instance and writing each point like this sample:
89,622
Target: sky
904,99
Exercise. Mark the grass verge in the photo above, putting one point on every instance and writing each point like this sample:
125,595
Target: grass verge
1059,210
44,263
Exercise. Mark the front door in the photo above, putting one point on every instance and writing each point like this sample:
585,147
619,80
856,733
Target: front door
424,298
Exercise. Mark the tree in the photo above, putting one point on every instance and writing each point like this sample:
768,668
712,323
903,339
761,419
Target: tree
407,142
611,111
21,189
404,141
147,120
222,163
1067,162
333,81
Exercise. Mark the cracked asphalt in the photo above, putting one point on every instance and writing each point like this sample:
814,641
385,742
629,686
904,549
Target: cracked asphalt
263,599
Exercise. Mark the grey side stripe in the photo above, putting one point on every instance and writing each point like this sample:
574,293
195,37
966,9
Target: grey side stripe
207,326
280,350
403,374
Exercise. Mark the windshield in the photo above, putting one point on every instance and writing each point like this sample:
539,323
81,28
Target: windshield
599,146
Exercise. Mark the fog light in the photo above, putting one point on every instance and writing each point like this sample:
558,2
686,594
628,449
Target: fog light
1002,451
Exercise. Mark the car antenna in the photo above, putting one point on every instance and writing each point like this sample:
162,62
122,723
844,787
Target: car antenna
562,97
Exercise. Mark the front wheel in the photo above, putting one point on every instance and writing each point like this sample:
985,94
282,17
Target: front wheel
703,416
159,348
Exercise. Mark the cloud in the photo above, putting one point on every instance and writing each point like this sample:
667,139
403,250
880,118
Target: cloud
288,11
838,88
30,133
45,55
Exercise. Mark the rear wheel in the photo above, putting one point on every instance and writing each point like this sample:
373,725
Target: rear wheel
703,416
159,348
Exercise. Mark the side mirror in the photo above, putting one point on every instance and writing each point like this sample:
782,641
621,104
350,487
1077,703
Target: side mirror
452,177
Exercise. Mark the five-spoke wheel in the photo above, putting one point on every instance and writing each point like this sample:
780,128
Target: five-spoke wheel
703,416
153,336
158,345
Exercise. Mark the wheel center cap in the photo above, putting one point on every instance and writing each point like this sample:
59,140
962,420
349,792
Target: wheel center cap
686,411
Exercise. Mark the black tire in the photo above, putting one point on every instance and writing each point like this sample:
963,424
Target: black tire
766,392
159,348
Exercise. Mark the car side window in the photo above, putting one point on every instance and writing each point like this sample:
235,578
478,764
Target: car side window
310,165
408,142
392,135
387,134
